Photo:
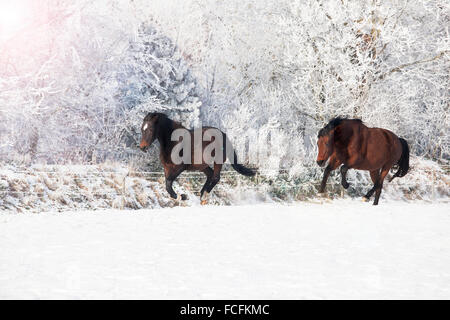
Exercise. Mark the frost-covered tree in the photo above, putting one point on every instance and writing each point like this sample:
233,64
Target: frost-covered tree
292,65
76,79
79,95
380,61
153,68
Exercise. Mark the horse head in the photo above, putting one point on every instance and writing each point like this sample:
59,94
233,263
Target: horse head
325,140
149,130
325,145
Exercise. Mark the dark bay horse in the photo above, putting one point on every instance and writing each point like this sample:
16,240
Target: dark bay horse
348,142
157,126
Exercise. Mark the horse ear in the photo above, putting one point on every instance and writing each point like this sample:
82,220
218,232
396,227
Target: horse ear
157,122
154,118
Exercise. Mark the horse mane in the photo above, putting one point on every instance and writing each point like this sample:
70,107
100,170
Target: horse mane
333,123
163,120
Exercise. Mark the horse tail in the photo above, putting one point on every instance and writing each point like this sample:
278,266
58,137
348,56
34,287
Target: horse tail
232,156
403,162
240,168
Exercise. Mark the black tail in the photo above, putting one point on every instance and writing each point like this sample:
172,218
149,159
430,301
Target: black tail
403,163
231,155
240,168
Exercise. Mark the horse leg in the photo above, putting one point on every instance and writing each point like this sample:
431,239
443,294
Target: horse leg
344,182
215,178
171,174
332,165
384,172
209,174
374,175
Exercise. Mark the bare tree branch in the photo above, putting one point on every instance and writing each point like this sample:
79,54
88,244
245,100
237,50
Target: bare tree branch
401,67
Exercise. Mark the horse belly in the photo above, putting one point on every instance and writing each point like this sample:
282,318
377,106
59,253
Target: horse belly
377,152
197,167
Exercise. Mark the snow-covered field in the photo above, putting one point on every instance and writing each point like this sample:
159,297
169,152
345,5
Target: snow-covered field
342,249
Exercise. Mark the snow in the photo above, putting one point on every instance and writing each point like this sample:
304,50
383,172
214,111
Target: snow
325,250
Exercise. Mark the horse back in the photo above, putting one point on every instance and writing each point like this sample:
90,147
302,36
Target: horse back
381,147
205,141
364,148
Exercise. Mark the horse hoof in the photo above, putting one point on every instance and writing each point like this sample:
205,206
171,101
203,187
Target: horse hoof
184,197
346,185
204,198
364,199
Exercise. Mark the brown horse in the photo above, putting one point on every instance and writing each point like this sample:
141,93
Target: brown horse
348,142
158,126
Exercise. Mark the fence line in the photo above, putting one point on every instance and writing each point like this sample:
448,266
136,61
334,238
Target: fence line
260,173
279,178
265,172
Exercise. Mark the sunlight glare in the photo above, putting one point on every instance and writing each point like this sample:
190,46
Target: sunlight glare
14,15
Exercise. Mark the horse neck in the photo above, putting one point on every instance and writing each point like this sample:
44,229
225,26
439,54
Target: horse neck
348,131
165,130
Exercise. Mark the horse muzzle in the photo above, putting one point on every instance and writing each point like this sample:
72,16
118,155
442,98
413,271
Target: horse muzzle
321,163
143,146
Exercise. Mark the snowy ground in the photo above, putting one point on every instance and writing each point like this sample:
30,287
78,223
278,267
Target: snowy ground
343,249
